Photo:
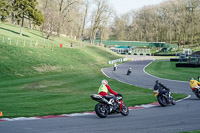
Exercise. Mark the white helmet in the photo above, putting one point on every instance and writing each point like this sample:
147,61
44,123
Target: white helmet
191,78
105,82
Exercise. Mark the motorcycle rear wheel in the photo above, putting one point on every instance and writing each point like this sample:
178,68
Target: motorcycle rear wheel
197,93
124,110
128,72
101,110
161,100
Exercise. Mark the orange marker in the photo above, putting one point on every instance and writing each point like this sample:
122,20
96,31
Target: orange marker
1,114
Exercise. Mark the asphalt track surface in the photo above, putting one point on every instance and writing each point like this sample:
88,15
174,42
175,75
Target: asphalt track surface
184,116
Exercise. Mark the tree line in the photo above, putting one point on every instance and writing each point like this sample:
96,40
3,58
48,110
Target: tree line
80,19
21,10
172,21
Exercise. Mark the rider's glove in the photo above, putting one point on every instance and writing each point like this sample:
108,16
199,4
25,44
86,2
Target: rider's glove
119,94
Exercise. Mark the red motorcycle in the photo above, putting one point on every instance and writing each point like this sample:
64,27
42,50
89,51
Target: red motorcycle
109,106
196,91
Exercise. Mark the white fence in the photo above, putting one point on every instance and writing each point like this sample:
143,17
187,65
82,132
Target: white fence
117,60
142,51
45,43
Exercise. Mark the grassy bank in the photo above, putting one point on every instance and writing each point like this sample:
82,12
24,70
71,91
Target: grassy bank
168,70
61,93
39,81
43,82
12,32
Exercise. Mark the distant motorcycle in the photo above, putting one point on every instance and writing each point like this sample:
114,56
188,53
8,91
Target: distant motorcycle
103,108
129,71
115,68
163,98
196,91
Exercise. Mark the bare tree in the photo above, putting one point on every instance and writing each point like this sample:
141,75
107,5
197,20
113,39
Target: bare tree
64,11
87,5
172,21
97,17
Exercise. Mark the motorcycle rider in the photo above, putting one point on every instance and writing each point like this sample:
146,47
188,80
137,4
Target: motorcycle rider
115,66
103,91
129,71
159,86
194,84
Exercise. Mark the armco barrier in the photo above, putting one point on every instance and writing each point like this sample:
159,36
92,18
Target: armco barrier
117,60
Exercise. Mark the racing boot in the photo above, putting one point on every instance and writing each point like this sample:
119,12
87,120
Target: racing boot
169,96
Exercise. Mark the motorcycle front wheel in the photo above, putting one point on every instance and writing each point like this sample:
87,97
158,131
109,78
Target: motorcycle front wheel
173,101
124,110
101,110
161,100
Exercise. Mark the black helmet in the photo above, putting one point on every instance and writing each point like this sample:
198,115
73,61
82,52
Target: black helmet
157,81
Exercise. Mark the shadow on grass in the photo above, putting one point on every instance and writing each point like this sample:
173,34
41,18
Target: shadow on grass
14,31
40,35
36,34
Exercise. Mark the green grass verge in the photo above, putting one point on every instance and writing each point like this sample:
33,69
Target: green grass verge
168,70
196,131
61,93
39,81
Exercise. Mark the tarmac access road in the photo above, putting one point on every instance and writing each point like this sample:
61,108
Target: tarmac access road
184,116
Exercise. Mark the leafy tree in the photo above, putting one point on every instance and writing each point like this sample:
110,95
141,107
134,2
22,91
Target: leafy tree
26,9
4,10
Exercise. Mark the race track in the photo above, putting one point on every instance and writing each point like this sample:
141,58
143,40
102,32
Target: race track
171,119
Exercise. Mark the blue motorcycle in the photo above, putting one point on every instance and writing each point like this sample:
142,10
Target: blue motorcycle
164,98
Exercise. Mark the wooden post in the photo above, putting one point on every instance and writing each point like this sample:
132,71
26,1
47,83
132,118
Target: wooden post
9,40
44,43
36,44
52,46
17,42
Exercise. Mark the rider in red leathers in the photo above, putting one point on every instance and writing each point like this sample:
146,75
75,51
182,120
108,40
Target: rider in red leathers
104,89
